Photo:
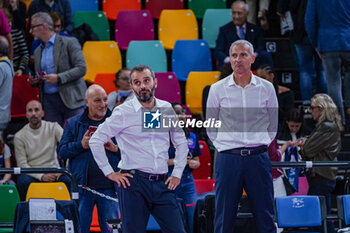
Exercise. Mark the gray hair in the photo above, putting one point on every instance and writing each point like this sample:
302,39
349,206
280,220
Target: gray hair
44,18
140,68
243,42
241,2
4,46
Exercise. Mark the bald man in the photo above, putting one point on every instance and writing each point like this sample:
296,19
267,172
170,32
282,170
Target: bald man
6,79
75,147
35,147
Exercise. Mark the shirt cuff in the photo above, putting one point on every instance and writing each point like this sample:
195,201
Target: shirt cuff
107,170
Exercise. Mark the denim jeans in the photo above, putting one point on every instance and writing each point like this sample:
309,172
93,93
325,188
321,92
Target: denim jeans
309,63
333,62
107,209
187,191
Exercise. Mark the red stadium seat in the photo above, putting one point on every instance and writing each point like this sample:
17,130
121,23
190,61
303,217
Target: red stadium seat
204,185
95,227
112,7
156,6
22,93
204,170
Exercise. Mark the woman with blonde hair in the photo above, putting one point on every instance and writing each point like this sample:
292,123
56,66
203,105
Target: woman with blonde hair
323,144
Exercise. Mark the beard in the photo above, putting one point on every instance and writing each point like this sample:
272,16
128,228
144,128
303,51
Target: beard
145,98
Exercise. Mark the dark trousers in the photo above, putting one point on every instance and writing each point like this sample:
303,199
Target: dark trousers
145,197
253,173
323,189
24,180
56,110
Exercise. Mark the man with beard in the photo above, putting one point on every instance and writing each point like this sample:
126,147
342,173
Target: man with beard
35,147
145,187
74,146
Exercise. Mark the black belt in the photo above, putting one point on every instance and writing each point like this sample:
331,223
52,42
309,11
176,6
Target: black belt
246,151
148,176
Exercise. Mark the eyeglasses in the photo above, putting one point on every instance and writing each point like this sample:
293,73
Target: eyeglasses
313,107
57,25
34,26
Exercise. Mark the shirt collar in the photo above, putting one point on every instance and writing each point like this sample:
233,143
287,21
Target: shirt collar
51,41
137,105
231,81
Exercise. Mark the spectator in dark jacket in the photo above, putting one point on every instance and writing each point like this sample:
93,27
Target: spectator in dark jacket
74,146
239,28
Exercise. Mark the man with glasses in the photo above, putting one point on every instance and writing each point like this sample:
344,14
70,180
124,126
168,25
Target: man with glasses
60,65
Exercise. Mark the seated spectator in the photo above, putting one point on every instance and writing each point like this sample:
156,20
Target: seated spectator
61,6
241,29
122,81
293,126
323,144
186,189
74,146
285,95
35,147
6,79
20,48
5,162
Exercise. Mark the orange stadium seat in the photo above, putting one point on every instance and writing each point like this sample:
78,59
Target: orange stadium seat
106,80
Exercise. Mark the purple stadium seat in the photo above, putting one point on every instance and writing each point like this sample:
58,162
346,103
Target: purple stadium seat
133,25
168,87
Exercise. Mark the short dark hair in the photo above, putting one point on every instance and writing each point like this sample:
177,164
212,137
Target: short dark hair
140,68
118,74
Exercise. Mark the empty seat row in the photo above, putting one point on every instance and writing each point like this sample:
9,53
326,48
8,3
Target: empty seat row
138,25
112,7
187,56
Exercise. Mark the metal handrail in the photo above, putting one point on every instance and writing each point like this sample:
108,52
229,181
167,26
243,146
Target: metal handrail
309,164
18,170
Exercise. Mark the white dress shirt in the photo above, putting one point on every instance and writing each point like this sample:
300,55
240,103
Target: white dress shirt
249,115
141,149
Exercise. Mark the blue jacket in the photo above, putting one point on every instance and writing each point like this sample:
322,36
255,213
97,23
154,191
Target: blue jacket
70,147
61,6
327,23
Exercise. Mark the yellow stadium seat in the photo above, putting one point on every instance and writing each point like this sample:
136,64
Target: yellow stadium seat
27,2
55,190
101,57
196,81
177,25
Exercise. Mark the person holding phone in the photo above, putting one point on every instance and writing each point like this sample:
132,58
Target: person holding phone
75,147
62,86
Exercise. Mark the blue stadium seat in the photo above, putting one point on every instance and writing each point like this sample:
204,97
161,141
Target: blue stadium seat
84,5
343,206
301,211
190,55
